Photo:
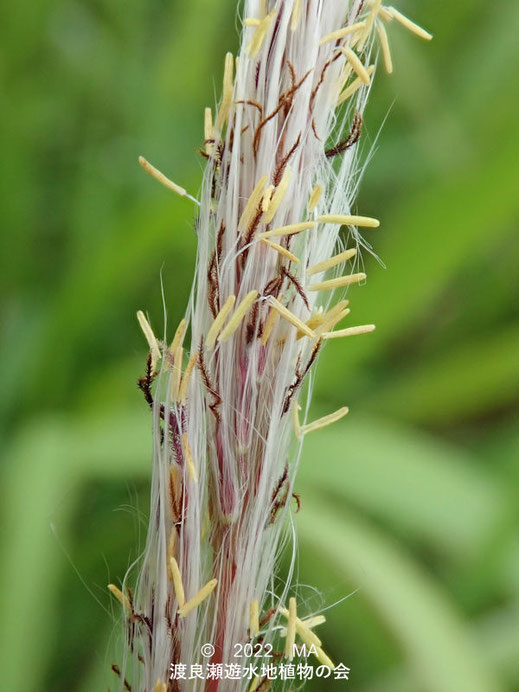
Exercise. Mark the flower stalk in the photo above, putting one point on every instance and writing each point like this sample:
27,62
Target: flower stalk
277,237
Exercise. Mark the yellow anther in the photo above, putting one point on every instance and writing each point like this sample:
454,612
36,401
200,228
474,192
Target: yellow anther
315,196
330,322
278,195
323,658
252,205
315,320
260,33
348,220
182,392
338,282
314,621
254,619
385,14
177,582
190,464
270,323
296,15
337,308
218,321
174,478
179,336
225,105
265,202
238,315
200,597
341,33
309,638
384,45
288,230
208,123
160,686
351,331
155,173
291,629
307,622
354,86
228,72
251,21
357,65
208,130
332,262
415,28
176,373
255,684
375,7
324,322
282,250
151,339
368,24
306,634
124,600
290,317
324,421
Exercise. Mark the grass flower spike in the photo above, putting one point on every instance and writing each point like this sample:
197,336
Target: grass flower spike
278,234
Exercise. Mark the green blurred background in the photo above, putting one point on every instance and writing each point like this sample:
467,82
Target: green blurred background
416,508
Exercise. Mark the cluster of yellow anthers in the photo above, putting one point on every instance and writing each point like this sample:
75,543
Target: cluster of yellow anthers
270,197
358,34
185,607
295,626
232,311
316,328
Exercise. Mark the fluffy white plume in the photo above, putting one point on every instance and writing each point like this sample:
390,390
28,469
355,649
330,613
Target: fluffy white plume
277,233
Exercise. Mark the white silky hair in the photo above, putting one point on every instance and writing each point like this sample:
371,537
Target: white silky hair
233,520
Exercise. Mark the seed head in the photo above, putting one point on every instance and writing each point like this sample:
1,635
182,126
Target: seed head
277,207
